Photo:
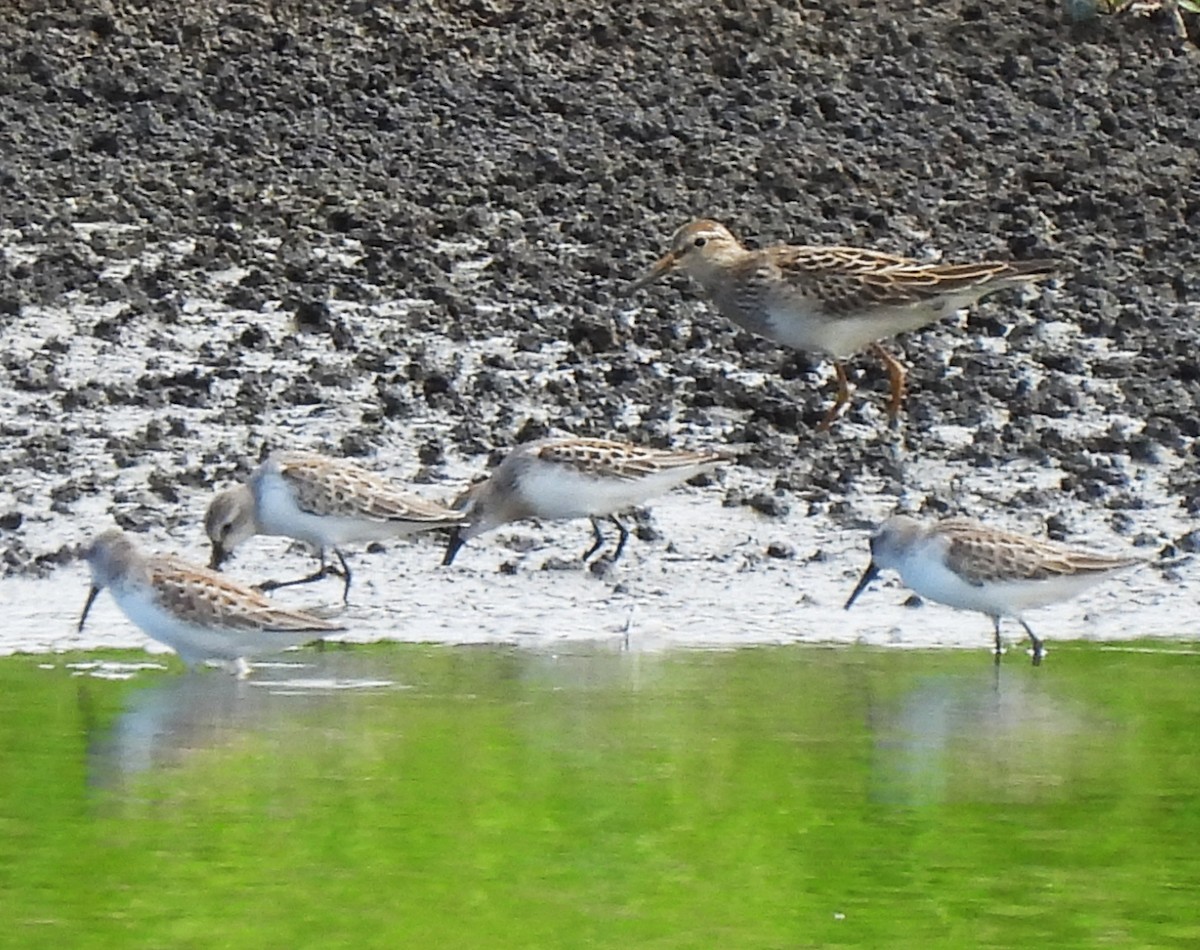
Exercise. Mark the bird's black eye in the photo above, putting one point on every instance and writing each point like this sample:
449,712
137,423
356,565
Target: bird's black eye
700,242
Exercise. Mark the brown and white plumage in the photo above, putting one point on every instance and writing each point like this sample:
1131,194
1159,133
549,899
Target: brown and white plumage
575,478
197,612
322,501
835,301
965,564
336,488
982,555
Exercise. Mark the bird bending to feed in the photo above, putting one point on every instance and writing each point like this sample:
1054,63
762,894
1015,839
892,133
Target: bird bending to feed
835,301
322,501
198,613
968,565
562,478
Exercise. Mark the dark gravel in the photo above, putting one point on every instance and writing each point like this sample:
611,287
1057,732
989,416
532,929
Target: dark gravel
555,146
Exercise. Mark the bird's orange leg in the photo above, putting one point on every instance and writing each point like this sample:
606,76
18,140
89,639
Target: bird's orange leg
843,397
896,375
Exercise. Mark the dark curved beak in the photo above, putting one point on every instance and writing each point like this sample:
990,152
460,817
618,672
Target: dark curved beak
456,542
92,595
219,554
869,575
661,266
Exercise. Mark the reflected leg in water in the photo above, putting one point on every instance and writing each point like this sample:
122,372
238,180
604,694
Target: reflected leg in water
1038,647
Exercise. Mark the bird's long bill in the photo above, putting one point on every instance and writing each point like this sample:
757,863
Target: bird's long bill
92,595
661,266
218,556
869,575
456,542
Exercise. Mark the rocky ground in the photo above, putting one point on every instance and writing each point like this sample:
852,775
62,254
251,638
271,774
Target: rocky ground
406,233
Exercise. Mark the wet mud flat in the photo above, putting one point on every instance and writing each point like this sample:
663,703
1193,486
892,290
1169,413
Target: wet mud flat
406,237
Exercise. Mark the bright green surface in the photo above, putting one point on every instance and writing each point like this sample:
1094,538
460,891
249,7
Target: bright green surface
766,798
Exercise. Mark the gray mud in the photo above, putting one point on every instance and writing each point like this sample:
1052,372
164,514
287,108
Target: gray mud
405,235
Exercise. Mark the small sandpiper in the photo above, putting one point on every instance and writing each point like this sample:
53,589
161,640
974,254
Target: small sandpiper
198,613
561,478
835,301
968,565
321,501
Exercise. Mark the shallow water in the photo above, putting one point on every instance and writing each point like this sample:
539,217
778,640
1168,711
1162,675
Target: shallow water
491,796
584,760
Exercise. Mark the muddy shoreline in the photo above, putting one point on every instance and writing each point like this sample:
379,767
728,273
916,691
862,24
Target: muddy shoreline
407,237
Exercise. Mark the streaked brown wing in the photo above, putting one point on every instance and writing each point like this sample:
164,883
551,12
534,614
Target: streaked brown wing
212,599
315,492
346,490
619,459
849,280
981,554
592,456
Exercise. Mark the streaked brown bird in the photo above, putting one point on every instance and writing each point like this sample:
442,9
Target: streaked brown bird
971,566
836,301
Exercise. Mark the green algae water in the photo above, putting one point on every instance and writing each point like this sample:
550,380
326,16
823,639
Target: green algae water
484,797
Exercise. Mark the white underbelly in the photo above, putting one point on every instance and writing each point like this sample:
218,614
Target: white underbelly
555,493
195,643
1008,598
842,336
279,514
